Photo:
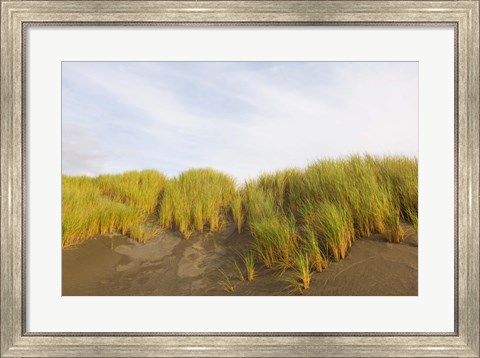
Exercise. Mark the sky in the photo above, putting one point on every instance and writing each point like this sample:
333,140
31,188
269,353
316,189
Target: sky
242,118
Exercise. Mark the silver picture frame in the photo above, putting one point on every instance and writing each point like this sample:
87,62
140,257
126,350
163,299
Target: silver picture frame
16,16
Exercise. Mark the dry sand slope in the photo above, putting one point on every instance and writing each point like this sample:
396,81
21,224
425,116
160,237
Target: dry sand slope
172,266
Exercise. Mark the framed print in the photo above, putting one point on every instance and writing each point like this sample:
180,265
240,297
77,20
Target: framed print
294,178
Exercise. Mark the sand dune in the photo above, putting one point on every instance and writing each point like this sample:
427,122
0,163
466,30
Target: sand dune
172,266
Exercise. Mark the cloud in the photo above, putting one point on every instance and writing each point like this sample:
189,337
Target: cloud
239,117
81,152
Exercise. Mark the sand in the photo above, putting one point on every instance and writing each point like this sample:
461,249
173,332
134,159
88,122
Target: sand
169,265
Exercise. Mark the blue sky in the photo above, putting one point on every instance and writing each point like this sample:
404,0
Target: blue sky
242,118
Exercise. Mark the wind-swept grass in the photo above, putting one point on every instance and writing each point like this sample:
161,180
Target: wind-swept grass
333,224
275,240
301,273
400,175
394,232
137,189
258,204
225,281
299,220
347,184
413,218
275,235
317,253
249,261
325,207
197,199
238,212
277,184
107,204
239,270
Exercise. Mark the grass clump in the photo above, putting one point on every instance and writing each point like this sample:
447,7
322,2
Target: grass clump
275,240
278,184
413,219
225,282
321,210
333,224
350,185
258,204
316,252
301,273
197,199
274,233
299,219
394,231
86,212
238,212
109,204
140,190
249,261
400,175
241,277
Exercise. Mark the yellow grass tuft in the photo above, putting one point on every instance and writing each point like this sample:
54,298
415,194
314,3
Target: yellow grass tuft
197,199
238,213
107,204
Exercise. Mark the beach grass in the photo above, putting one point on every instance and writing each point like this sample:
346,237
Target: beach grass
249,261
333,224
137,189
238,212
225,281
400,175
317,254
239,270
109,204
197,200
295,217
300,275
325,207
275,239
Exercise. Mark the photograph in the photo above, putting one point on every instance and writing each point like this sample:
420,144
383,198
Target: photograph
239,178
